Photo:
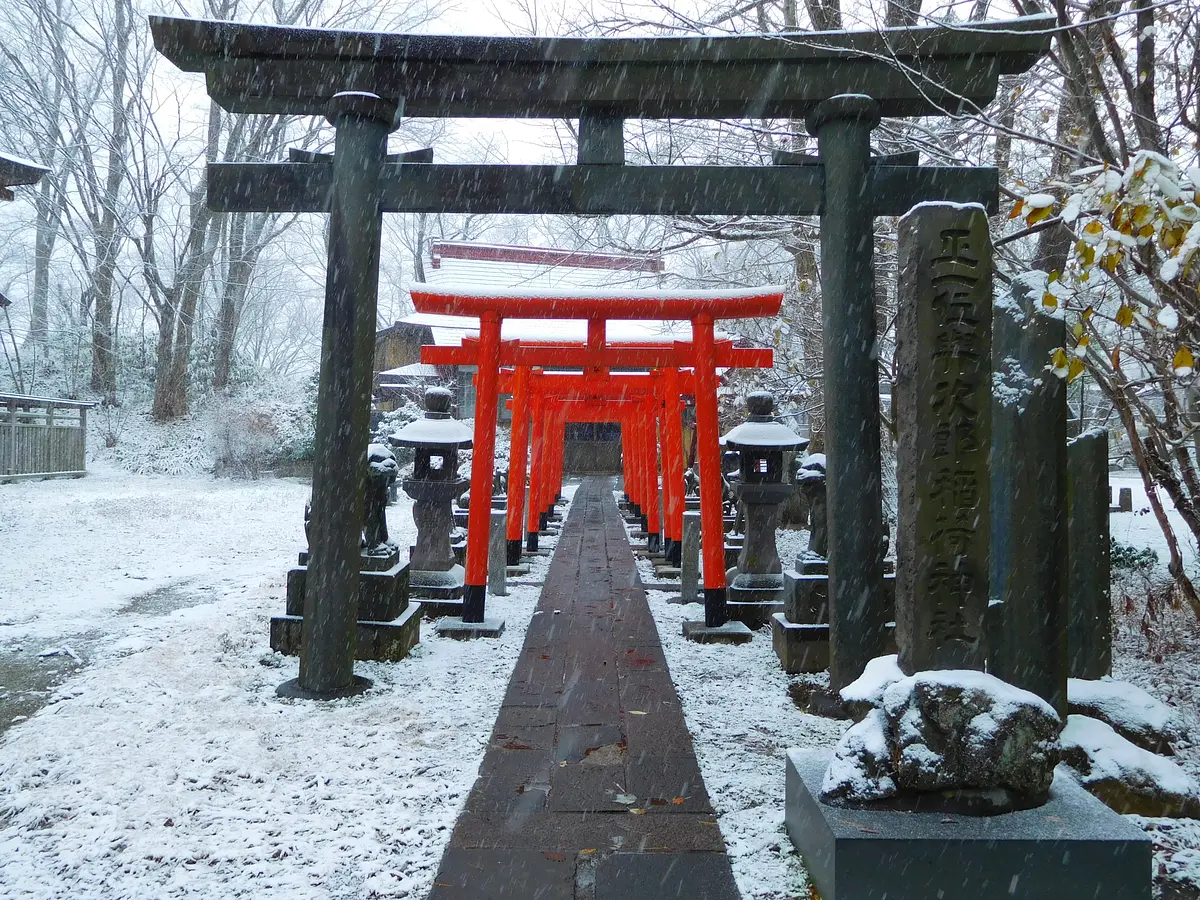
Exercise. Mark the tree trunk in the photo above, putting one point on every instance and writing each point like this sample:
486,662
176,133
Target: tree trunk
45,235
104,369
232,296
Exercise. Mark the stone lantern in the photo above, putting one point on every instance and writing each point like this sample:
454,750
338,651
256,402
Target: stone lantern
435,574
756,583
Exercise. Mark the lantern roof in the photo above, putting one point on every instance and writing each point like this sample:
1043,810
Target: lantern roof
437,428
761,431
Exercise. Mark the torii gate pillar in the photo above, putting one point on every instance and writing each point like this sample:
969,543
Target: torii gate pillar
343,400
857,614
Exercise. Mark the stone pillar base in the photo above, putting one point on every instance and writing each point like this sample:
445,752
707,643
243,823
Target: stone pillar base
800,648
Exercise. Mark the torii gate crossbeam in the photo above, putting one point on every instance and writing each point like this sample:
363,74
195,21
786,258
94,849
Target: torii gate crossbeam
701,308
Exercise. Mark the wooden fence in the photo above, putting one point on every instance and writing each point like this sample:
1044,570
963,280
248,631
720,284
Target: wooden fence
42,437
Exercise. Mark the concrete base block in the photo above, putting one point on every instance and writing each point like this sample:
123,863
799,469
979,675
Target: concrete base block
518,570
729,633
381,641
800,648
463,631
1073,846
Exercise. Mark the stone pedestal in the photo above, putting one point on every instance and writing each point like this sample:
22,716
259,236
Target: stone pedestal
1027,619
1072,847
498,555
689,559
756,585
800,635
1089,607
436,574
387,625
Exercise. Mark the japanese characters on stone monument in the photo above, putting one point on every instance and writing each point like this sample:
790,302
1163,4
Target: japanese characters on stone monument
942,402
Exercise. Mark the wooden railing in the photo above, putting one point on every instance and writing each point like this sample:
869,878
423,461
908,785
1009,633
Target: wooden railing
42,437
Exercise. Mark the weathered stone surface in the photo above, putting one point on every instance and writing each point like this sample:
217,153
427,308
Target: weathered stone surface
948,731
1089,613
497,576
1125,777
1071,847
866,693
1130,711
1027,619
962,729
942,400
383,641
689,574
862,767
810,476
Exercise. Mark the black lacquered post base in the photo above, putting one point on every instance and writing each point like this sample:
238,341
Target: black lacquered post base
292,690
512,552
543,521
531,541
474,597
673,552
715,614
654,542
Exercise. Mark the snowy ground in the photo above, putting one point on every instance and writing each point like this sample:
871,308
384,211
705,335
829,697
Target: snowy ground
165,766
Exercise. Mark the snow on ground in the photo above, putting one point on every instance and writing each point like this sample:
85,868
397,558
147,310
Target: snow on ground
1140,529
736,704
167,767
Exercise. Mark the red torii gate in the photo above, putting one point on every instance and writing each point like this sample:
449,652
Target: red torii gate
525,357
701,308
637,401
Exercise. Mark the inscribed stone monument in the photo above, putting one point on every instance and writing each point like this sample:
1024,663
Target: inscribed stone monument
942,401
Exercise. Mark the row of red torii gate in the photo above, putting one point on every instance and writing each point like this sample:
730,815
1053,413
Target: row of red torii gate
648,402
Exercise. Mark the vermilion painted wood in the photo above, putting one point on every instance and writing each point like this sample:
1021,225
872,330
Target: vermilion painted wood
487,401
712,531
537,461
522,353
632,306
653,512
612,387
518,452
673,500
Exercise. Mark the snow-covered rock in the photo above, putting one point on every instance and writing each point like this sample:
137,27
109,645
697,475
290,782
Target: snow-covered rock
1132,712
964,729
1127,778
866,692
862,764
946,731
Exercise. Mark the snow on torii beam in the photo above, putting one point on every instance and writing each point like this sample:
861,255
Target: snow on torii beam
678,354
701,308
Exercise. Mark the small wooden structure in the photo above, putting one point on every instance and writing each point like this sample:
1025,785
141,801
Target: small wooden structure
42,437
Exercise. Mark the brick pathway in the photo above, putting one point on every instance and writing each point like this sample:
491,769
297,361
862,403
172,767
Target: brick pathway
590,715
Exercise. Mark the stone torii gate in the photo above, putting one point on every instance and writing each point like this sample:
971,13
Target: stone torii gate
701,308
840,82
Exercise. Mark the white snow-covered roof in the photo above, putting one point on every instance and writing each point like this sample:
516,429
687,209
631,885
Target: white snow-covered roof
490,273
449,331
764,434
412,370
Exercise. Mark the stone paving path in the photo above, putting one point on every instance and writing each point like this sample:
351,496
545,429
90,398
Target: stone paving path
591,719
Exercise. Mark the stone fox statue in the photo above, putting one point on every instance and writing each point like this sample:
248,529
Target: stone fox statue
382,469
